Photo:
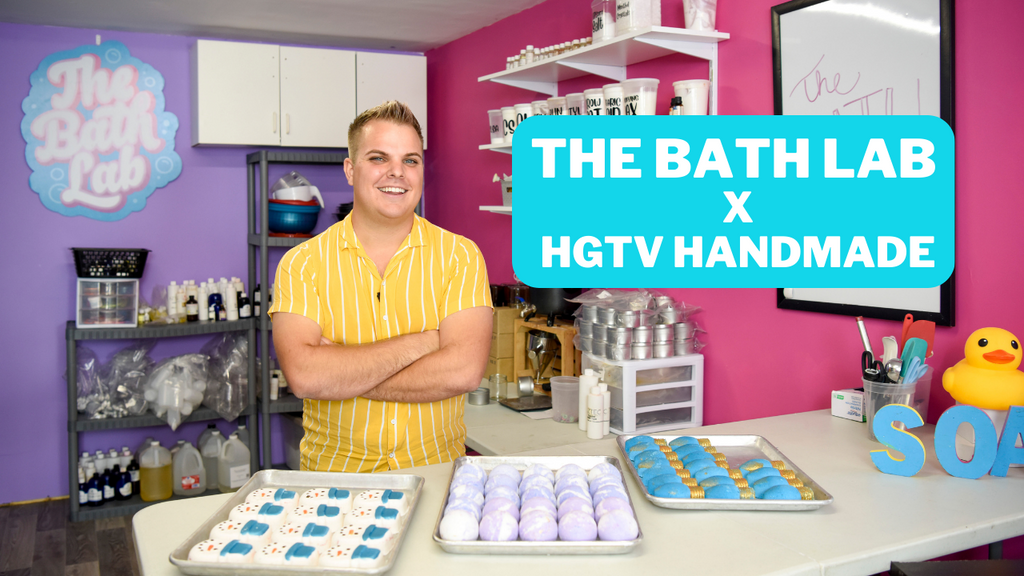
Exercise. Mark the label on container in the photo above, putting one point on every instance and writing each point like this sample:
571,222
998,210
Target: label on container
237,475
108,492
83,497
135,475
95,495
594,414
190,482
125,489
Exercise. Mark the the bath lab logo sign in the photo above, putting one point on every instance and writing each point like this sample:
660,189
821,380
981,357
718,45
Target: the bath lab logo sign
97,137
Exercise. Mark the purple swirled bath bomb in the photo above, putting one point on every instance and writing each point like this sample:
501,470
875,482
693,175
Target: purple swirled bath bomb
602,469
502,504
471,471
469,480
573,492
575,504
538,492
571,480
569,469
503,492
499,480
539,470
458,525
538,503
507,470
538,526
603,481
610,504
499,527
610,492
466,492
535,482
617,525
577,527
465,506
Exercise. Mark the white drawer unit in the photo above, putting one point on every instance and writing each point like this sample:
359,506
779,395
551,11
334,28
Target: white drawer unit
652,395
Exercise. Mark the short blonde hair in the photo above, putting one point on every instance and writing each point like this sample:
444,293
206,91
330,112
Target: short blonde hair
390,111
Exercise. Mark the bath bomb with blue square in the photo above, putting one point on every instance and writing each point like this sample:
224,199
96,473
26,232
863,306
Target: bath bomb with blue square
288,499
339,497
250,532
383,539
265,513
309,533
390,498
377,515
233,552
330,516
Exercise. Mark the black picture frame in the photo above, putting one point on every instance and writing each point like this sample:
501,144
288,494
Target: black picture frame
946,315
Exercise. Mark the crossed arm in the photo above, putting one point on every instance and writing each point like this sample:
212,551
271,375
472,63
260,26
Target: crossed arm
419,367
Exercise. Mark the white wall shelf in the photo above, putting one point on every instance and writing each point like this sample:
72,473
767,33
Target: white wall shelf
505,148
497,209
609,59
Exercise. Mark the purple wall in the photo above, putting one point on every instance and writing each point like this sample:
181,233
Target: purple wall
196,228
761,361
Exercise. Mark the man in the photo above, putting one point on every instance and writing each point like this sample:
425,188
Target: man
382,323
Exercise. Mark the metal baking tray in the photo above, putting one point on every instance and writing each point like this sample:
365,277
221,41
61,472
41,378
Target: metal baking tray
738,448
299,481
525,548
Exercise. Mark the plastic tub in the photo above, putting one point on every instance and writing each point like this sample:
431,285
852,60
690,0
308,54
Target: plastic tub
575,104
565,398
556,106
694,94
612,99
877,395
594,99
291,218
640,96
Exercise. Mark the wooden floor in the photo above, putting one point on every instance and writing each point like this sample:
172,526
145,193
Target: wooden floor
39,540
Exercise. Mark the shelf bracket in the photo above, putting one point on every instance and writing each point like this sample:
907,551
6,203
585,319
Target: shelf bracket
702,50
550,88
617,73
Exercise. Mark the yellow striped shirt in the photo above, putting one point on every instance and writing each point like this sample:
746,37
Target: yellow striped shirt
331,280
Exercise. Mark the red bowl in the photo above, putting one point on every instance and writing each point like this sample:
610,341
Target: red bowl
295,202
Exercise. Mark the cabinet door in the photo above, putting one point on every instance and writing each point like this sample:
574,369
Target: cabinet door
317,96
403,77
235,93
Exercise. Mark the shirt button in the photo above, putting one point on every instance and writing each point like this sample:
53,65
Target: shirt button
384,317
392,455
394,420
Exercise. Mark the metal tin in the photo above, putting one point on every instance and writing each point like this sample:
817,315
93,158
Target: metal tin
643,335
684,330
606,316
520,547
669,316
599,348
627,318
299,481
684,347
663,300
586,329
663,332
586,344
737,449
646,318
619,351
599,332
525,386
663,349
480,397
588,313
641,351
620,336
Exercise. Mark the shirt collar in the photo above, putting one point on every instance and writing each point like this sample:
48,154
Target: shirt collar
417,236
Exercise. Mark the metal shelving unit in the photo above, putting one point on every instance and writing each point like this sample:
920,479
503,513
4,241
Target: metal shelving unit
258,164
77,423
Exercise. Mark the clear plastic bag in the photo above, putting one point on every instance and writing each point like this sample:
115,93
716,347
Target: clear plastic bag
92,394
125,377
228,390
175,387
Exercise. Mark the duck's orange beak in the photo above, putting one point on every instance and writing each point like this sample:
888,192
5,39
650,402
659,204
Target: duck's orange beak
999,357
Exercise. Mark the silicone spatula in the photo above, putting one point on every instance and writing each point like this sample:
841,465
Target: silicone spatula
925,330
907,321
913,348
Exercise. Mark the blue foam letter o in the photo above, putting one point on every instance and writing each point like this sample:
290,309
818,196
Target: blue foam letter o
984,442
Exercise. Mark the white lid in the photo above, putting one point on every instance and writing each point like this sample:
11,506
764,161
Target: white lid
233,435
593,91
241,426
154,443
607,86
595,390
173,283
529,46
495,110
603,387
589,372
580,94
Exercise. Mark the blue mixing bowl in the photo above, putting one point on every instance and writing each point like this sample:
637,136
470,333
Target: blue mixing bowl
291,218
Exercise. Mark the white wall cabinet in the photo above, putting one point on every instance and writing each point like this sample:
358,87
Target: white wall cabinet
236,91
318,100
403,77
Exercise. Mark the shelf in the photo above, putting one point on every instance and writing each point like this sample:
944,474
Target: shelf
609,59
497,209
83,423
156,330
124,507
288,403
254,240
504,148
297,157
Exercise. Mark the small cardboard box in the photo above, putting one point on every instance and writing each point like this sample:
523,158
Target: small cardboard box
503,319
499,366
506,191
849,404
501,345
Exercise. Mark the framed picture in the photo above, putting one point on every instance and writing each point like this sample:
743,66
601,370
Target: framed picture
861,57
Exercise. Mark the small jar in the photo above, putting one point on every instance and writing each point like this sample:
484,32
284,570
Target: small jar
599,348
619,352
684,346
606,316
663,333
643,335
589,313
627,318
620,336
586,329
684,330
641,351
586,344
663,349
599,332
669,315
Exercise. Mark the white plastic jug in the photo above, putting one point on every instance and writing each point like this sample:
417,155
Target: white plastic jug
155,473
233,464
189,472
210,449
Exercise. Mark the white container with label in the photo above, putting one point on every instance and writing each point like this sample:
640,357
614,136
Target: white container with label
209,448
594,101
508,120
612,99
640,96
189,472
233,465
497,132
556,106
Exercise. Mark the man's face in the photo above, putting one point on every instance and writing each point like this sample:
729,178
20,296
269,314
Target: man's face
387,175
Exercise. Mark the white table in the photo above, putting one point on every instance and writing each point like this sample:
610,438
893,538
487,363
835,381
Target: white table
875,519
494,430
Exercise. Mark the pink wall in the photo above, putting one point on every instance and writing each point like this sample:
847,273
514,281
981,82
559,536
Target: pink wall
761,361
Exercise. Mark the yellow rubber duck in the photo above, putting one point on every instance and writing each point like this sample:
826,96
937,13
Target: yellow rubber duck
988,377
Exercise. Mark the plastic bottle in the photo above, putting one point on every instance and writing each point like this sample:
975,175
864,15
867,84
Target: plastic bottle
83,489
176,447
108,480
204,435
192,309
125,458
244,306
256,301
100,461
243,434
606,411
595,406
203,298
95,490
113,458
155,473
232,464
210,450
145,444
172,299
182,299
133,475
123,488
85,460
189,472
587,381
231,305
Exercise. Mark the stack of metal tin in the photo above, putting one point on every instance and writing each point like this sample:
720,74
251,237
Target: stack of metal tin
613,334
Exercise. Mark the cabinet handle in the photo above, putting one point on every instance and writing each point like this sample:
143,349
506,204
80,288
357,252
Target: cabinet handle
275,123
287,123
